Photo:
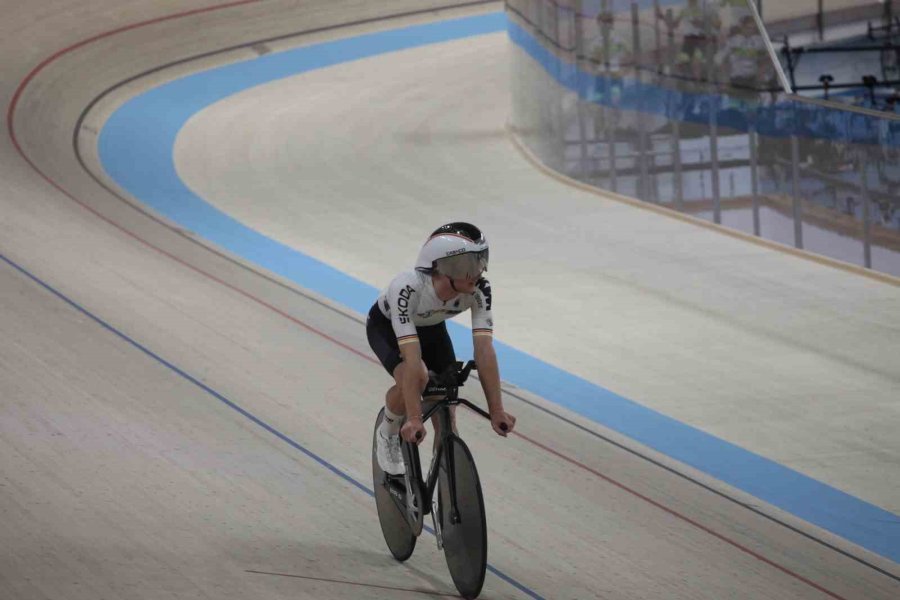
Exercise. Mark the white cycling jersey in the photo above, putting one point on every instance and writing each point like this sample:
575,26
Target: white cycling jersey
410,301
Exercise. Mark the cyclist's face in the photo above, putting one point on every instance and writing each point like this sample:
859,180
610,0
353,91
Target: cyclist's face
466,285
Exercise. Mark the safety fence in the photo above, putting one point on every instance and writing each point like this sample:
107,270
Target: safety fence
683,103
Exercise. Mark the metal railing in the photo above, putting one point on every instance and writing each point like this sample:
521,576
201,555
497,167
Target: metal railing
622,95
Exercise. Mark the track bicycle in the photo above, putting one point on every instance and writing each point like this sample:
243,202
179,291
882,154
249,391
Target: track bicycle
458,510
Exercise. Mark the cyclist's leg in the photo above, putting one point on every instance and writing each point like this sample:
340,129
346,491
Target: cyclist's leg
394,397
383,342
438,354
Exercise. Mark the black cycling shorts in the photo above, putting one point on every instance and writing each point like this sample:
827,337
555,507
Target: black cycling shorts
437,348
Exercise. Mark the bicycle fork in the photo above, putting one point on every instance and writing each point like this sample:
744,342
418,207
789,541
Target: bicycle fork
435,514
451,485
412,478
443,448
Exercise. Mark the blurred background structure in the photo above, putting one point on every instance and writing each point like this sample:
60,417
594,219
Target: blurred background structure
781,120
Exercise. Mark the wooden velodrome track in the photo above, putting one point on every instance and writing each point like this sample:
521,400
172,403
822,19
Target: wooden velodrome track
177,424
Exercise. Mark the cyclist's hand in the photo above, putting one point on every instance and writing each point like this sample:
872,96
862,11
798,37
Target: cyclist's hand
503,422
413,430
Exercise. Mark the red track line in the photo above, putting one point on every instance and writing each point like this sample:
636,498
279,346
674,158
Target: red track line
13,137
12,134
679,516
90,40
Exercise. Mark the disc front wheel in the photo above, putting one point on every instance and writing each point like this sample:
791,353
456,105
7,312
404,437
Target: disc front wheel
465,533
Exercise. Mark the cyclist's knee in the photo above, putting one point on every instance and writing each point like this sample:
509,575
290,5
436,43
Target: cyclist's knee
421,379
393,394
422,376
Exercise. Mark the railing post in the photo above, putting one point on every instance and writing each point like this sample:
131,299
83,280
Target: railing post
644,183
820,20
675,98
754,183
608,110
795,191
866,210
658,49
714,158
581,83
713,118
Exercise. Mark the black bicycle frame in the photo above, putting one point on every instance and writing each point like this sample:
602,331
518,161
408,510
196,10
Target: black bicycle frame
442,409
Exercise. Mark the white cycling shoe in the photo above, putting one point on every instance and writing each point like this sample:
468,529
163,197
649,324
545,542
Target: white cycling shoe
389,455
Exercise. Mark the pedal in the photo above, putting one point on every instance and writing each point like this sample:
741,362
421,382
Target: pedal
437,525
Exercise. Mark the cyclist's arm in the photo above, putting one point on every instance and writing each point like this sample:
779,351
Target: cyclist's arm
483,340
411,385
488,372
403,299
501,421
486,359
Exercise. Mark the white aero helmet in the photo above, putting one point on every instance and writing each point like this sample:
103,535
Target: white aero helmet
458,250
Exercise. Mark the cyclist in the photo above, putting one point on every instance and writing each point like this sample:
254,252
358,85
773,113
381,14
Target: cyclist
407,332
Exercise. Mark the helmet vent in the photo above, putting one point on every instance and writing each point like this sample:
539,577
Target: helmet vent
467,230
